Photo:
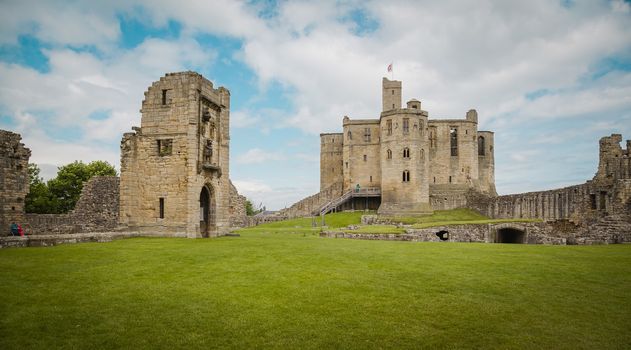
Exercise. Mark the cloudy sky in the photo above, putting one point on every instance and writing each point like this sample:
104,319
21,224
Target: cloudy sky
549,77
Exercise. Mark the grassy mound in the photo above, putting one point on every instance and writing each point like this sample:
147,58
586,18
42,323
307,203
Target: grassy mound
306,225
288,291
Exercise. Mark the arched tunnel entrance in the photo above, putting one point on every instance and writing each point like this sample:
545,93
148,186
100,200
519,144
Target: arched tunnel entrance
510,235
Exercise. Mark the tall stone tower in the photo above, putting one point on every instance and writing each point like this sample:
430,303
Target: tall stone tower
175,168
404,159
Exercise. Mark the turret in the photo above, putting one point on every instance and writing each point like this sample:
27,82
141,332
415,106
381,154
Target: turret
391,94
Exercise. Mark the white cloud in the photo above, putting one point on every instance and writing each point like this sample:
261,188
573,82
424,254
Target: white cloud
257,155
451,55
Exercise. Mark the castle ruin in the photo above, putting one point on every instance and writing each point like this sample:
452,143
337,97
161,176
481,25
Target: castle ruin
175,166
402,163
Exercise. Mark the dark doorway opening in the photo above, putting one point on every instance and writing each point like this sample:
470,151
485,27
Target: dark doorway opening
443,235
206,212
510,235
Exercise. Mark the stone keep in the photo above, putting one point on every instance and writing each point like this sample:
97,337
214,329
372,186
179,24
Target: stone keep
14,179
416,164
175,168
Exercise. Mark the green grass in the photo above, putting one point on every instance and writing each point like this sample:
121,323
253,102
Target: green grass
288,291
451,217
305,225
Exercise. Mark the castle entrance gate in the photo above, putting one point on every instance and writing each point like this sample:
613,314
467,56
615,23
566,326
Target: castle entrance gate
206,212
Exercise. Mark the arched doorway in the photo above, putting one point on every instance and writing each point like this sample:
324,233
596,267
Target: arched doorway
510,235
206,212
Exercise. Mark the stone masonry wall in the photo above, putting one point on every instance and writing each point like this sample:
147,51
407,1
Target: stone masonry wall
238,214
175,167
96,211
551,232
14,179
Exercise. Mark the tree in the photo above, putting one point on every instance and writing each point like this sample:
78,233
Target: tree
39,199
61,194
249,208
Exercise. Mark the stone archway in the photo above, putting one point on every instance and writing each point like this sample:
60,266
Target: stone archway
207,223
510,235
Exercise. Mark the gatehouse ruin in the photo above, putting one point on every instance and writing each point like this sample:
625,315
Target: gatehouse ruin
175,168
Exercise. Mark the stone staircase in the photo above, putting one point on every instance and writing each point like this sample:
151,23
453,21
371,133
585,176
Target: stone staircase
336,202
332,204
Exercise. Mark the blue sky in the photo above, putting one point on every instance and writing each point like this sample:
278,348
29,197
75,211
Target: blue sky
550,78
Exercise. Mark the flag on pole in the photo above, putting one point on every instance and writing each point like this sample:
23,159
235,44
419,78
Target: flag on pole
390,67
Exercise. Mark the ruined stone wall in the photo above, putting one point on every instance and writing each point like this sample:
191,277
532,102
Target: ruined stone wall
330,159
238,214
175,167
96,211
606,195
552,232
486,162
14,179
312,204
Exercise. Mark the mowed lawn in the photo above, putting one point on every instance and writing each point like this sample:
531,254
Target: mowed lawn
296,290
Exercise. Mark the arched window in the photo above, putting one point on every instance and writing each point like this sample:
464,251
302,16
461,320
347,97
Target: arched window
422,154
389,154
349,135
481,145
406,176
406,152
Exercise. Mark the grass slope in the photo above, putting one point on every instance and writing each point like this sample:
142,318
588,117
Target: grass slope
281,290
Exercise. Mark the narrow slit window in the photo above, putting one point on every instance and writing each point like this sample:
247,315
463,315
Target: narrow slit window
406,125
161,208
164,97
365,158
389,154
453,136
389,126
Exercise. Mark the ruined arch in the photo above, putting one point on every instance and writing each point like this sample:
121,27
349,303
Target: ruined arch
510,235
207,211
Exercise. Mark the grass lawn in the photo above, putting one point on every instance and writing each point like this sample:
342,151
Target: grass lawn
275,289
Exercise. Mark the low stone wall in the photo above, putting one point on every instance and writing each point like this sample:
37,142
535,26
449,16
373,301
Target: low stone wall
96,211
606,231
258,220
51,240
